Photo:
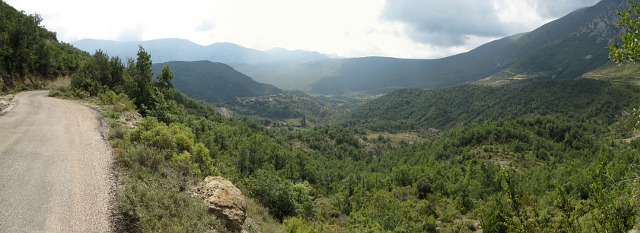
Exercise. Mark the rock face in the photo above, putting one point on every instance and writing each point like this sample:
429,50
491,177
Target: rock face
5,102
224,200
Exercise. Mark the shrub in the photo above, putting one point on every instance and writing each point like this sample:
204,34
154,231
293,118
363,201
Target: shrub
141,155
120,101
156,204
174,137
274,193
117,130
297,225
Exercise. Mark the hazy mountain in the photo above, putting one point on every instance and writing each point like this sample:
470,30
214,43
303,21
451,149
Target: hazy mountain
563,49
163,50
214,82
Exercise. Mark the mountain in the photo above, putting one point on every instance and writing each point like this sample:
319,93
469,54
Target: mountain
163,50
451,107
213,82
562,49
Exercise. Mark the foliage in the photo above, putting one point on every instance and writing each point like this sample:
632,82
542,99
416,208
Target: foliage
630,50
26,48
517,158
156,203
142,88
582,100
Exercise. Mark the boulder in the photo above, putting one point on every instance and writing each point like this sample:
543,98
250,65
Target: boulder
224,199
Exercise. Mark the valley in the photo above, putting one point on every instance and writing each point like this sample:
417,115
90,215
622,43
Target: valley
534,132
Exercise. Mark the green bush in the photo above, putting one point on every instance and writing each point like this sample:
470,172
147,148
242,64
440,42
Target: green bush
117,130
156,204
274,193
136,155
174,137
120,101
298,225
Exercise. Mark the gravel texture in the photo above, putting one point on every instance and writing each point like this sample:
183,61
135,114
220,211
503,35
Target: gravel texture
55,167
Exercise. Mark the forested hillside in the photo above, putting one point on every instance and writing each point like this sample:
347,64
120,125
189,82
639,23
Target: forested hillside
545,156
214,82
28,50
582,100
541,156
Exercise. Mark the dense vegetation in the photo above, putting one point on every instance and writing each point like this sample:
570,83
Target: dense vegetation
536,157
582,100
28,49
295,108
563,171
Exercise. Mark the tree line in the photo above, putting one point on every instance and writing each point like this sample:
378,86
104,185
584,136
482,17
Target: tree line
28,49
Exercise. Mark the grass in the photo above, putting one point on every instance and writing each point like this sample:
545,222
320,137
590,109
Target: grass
625,73
261,216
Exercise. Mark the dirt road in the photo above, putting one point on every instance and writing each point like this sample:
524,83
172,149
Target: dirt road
54,167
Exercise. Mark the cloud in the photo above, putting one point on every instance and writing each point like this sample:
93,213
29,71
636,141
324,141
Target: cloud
206,26
131,33
445,24
453,23
556,8
397,28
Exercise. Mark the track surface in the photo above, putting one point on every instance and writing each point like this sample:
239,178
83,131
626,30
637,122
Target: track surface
54,167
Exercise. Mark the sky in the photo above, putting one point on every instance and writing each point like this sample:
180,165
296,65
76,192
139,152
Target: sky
347,28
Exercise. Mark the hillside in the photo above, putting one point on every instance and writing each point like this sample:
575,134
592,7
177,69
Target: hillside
563,49
214,82
29,53
539,156
533,152
164,50
579,100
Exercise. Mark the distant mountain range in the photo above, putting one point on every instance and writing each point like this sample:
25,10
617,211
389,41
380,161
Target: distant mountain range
566,48
214,82
164,50
563,49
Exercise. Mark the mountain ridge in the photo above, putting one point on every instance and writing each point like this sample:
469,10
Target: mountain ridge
176,49
565,48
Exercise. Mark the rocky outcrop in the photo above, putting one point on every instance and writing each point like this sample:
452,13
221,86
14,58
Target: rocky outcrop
224,200
5,103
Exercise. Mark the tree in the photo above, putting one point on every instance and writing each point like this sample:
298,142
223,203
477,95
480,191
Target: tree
143,89
164,82
630,50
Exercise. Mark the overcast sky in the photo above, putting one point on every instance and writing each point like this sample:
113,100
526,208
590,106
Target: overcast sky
349,28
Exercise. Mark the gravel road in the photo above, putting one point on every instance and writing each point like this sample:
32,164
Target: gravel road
55,167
